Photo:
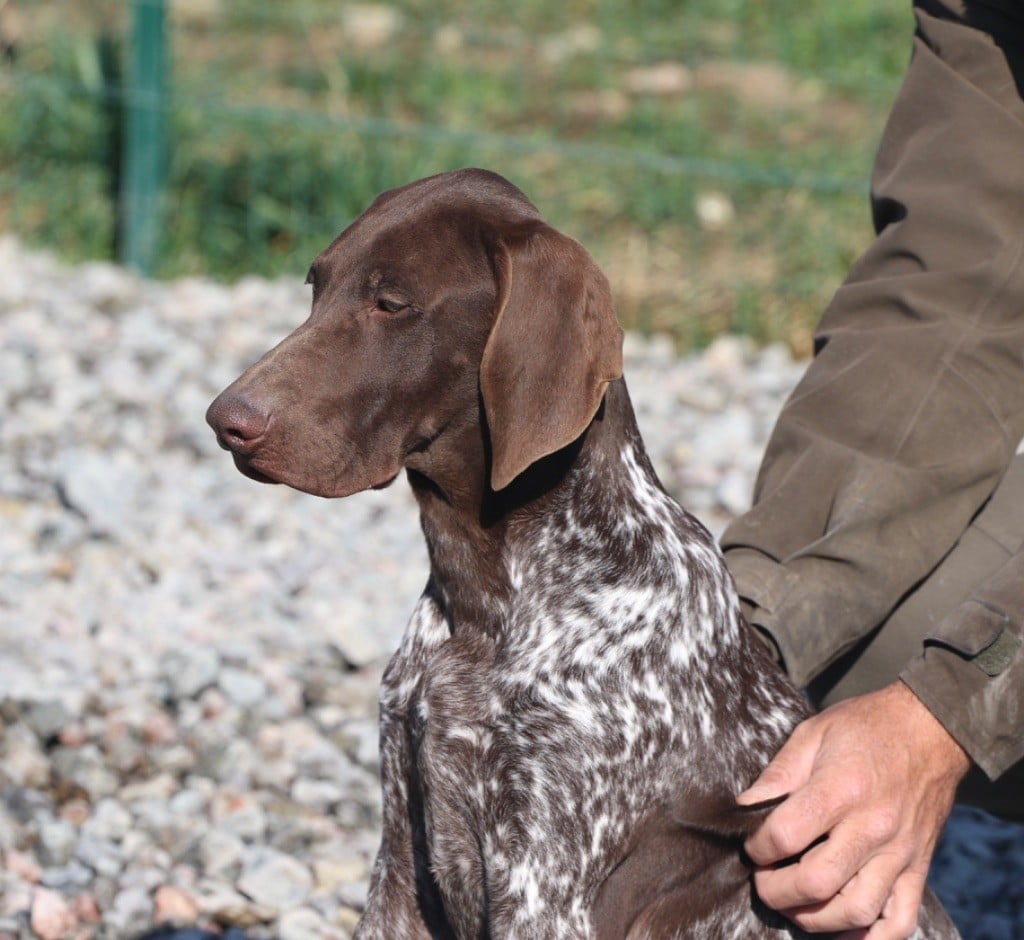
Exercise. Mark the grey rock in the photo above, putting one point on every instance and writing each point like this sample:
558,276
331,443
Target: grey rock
102,857
220,852
188,803
132,907
176,760
23,761
367,744
320,795
274,880
733,491
16,677
26,805
248,822
57,840
68,879
322,761
86,767
227,907
107,287
241,687
102,487
190,669
356,640
109,821
307,924
136,843
10,834
153,816
144,877
47,717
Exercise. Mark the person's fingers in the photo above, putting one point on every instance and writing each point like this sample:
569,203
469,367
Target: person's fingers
900,913
862,900
824,870
866,798
810,813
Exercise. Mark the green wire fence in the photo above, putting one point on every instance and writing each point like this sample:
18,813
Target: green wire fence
712,154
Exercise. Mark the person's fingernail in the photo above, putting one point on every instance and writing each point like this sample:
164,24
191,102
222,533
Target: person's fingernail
755,794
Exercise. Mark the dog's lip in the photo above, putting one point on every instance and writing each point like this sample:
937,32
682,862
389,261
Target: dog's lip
245,466
248,468
386,482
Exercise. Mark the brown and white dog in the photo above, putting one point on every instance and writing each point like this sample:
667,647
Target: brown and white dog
576,700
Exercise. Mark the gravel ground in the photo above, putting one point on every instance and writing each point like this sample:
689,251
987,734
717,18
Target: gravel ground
189,661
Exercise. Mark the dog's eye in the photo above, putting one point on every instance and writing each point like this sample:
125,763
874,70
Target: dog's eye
391,305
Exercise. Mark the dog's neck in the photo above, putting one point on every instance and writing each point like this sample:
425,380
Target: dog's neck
479,539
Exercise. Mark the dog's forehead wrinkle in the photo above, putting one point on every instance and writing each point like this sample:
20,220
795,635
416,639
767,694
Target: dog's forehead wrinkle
443,204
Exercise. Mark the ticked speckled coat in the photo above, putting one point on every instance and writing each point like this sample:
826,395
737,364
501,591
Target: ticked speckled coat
576,700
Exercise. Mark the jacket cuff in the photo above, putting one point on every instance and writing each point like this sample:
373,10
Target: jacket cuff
763,586
790,619
970,676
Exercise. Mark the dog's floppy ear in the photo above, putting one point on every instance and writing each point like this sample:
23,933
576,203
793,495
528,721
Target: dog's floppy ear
553,348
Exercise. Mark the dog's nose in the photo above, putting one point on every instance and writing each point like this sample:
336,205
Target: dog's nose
238,422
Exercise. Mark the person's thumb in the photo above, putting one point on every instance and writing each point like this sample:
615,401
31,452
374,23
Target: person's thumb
788,771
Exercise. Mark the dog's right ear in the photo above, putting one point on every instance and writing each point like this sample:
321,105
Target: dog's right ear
553,348
723,816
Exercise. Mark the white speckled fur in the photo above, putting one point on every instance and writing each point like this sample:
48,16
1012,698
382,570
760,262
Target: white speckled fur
611,689
591,708
576,701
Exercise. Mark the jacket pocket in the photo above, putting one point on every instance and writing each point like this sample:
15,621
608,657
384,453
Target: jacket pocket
980,633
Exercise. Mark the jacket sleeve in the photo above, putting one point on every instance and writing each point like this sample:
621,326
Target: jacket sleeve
913,406
970,674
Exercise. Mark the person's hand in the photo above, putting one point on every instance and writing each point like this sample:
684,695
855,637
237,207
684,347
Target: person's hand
871,783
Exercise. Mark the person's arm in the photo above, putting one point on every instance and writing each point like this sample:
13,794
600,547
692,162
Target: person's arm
898,434
970,674
864,808
914,404
877,774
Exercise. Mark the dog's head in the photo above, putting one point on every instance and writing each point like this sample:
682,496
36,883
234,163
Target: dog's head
444,293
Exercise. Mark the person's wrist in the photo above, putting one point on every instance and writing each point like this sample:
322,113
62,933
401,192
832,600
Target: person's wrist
944,750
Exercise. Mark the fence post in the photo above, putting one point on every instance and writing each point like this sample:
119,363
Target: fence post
144,160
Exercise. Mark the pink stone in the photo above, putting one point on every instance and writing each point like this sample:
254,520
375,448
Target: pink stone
51,917
213,703
24,866
175,905
87,909
159,728
74,735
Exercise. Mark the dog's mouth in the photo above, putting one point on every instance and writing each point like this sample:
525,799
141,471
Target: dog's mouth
386,482
246,468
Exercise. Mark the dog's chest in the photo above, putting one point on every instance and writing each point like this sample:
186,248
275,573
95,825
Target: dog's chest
532,780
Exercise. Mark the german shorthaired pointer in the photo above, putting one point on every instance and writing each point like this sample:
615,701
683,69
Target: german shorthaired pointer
576,699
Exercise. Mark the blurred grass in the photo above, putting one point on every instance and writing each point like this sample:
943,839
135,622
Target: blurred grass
712,154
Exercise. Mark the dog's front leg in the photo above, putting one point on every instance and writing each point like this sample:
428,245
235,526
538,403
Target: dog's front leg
396,904
403,901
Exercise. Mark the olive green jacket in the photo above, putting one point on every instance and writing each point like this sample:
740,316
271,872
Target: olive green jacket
912,410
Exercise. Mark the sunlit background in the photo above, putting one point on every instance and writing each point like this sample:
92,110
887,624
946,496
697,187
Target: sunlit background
713,154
